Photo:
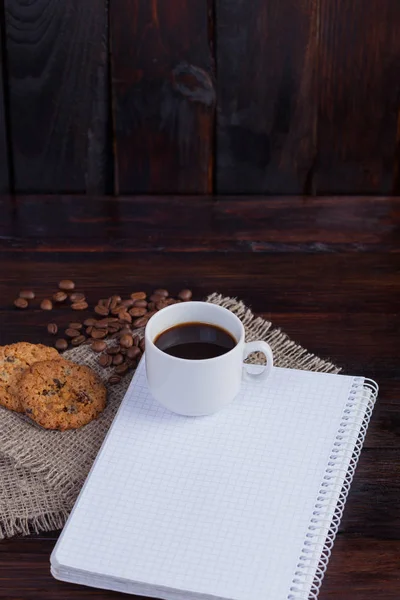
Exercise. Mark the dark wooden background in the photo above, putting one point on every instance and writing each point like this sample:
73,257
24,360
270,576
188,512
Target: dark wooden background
200,96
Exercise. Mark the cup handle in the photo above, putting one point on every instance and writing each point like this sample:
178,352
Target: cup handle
266,350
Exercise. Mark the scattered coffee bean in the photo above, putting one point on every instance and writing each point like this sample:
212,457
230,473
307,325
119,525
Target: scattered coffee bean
82,305
21,303
77,341
133,352
66,285
52,328
105,360
156,298
75,325
141,344
113,350
185,295
98,334
127,303
141,303
151,306
125,316
141,322
46,304
101,310
89,322
121,369
118,359
72,333
61,344
169,301
123,351
150,314
137,311
89,330
139,296
98,346
114,379
77,297
60,296
27,294
136,340
161,304
161,292
114,327
101,324
114,301
126,340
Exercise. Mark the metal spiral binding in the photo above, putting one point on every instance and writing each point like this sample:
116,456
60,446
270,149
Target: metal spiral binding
316,551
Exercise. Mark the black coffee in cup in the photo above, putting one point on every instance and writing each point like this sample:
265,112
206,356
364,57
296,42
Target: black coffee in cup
195,341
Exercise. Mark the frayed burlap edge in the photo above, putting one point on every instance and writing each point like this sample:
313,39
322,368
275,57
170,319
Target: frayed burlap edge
63,488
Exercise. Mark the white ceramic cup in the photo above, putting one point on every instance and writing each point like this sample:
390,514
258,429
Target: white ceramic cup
199,387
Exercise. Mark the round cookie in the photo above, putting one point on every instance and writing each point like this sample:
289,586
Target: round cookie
15,359
59,394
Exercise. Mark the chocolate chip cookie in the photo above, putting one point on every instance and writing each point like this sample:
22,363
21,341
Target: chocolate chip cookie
15,359
59,394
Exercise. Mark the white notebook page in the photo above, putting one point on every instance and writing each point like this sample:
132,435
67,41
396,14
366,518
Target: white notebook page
216,505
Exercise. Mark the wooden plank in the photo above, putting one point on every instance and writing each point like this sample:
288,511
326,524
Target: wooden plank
163,95
267,102
57,62
359,90
4,174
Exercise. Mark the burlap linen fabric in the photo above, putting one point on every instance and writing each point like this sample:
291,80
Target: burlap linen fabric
41,472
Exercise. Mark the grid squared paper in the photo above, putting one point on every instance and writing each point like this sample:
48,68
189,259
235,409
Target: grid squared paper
216,505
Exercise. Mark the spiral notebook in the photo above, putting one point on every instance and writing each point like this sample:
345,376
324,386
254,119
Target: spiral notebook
240,505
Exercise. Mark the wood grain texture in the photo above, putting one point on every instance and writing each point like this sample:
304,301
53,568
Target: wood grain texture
238,224
163,95
359,97
57,62
267,102
4,173
340,303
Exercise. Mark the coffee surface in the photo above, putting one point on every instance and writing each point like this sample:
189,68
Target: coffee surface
195,341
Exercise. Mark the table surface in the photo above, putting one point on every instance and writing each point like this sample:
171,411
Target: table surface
325,270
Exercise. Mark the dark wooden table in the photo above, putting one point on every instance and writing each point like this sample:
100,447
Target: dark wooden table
324,269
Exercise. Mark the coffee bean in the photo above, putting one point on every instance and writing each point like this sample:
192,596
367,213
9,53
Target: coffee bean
79,305
89,330
60,296
133,352
101,324
136,340
21,303
27,294
89,322
98,334
102,302
114,327
77,341
126,340
185,295
66,284
121,369
101,310
156,298
75,325
114,301
115,311
170,301
52,328
161,304
151,306
138,296
141,303
141,322
123,351
114,379
127,303
161,292
118,359
72,333
98,346
142,344
105,360
113,350
150,314
125,329
46,304
77,297
137,311
61,344
125,316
